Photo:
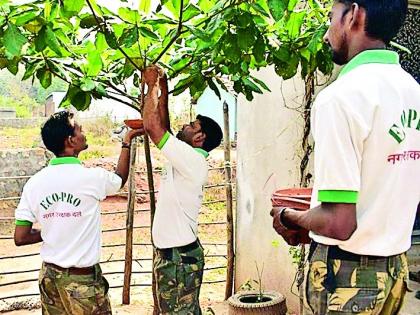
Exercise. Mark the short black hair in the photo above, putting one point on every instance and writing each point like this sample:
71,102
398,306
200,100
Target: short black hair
384,17
56,130
213,132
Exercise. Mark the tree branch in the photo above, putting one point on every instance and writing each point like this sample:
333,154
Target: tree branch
178,33
123,102
105,31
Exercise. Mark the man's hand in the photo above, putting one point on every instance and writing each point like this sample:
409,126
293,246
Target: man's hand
132,133
292,237
152,74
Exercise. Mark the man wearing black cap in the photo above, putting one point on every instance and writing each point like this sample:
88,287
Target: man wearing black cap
178,268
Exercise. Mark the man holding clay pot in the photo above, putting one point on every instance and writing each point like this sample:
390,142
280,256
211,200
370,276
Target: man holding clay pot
366,127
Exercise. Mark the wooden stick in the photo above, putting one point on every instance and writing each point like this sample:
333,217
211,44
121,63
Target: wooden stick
129,225
152,212
229,206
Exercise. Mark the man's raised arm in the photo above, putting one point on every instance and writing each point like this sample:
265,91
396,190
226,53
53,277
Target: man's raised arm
163,102
152,120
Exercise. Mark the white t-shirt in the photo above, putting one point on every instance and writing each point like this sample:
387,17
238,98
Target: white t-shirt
180,194
64,198
366,127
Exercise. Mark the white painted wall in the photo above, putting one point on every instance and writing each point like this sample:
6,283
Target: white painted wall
269,140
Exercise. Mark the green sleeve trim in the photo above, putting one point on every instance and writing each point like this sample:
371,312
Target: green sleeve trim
338,196
163,141
23,223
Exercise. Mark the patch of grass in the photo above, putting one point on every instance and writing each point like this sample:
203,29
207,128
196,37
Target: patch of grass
93,154
24,138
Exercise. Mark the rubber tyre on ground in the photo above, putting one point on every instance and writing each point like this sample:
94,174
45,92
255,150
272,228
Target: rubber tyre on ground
277,305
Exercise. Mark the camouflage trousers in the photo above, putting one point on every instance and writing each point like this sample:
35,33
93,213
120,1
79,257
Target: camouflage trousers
353,284
68,294
178,280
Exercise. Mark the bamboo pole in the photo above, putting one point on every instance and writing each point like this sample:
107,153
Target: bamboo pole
129,225
151,184
229,205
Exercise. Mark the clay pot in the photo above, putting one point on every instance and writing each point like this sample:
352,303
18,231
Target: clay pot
134,123
295,198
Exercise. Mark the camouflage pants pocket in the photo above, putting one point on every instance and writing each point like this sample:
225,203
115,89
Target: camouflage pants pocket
192,276
88,298
166,285
353,301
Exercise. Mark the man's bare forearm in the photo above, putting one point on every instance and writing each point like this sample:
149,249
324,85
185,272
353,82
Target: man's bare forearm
123,165
163,103
332,220
27,236
152,119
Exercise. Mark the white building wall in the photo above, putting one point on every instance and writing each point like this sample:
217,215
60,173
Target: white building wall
269,149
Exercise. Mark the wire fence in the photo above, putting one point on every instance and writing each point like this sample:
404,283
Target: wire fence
211,227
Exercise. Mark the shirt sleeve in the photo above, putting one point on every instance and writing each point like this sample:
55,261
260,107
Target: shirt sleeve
24,213
188,162
110,183
339,138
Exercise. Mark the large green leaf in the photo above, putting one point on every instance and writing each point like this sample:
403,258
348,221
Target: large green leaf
100,42
144,6
295,23
190,11
52,41
111,40
44,76
76,97
25,18
88,21
247,82
148,33
206,5
183,84
41,40
13,65
13,40
95,64
72,7
129,37
246,38
214,87
128,15
289,68
87,84
277,8
30,70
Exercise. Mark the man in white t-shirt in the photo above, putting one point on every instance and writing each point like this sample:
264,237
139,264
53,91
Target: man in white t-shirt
178,268
64,199
366,127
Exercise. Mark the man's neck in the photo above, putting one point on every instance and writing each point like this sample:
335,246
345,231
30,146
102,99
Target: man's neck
367,44
68,154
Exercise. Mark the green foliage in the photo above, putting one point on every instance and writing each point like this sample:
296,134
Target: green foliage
296,253
96,50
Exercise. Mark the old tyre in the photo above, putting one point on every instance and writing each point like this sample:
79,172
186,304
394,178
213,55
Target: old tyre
242,303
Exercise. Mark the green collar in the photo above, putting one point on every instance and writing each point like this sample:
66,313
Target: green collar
371,56
65,160
201,151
